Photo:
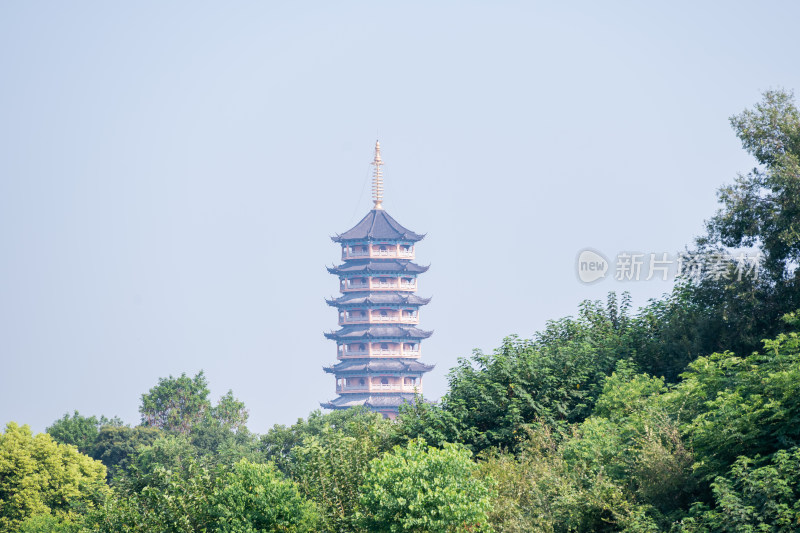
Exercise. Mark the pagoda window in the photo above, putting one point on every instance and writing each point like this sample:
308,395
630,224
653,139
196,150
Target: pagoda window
384,381
361,381
362,347
384,346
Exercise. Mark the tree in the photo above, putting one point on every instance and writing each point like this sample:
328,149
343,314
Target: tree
763,207
760,211
255,497
166,488
39,476
541,488
176,404
80,431
766,498
553,378
330,466
420,489
116,445
47,523
277,444
737,406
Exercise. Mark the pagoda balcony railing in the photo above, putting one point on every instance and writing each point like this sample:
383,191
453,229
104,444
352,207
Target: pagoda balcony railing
349,285
375,352
354,254
353,353
390,319
379,387
360,254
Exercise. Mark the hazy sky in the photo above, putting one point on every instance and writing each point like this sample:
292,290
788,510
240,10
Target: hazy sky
170,174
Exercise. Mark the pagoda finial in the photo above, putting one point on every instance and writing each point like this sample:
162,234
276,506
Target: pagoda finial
377,178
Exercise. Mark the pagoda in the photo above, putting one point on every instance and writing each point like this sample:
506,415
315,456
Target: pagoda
378,345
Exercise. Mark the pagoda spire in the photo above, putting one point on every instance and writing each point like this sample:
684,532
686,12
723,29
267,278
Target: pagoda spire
377,177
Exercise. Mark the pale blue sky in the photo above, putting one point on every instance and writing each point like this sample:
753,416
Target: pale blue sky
170,174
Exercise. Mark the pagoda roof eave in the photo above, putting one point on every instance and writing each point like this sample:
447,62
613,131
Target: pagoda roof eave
379,332
379,366
376,400
376,225
369,298
392,266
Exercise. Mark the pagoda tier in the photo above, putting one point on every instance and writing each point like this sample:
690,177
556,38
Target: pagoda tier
386,404
369,365
388,333
374,266
378,345
381,298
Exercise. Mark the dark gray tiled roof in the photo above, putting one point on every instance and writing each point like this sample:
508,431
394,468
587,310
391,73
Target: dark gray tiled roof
379,332
361,298
378,225
392,265
371,366
369,400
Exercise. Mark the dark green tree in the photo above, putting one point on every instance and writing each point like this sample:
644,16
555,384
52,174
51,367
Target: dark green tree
166,488
116,445
176,404
553,378
80,431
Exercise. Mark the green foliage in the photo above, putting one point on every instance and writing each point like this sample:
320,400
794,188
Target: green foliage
753,499
539,490
167,489
256,497
277,444
763,207
330,464
116,445
80,431
46,523
552,379
428,421
39,476
635,440
741,406
229,413
176,404
420,489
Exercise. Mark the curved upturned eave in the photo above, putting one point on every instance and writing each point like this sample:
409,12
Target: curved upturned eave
378,225
378,332
377,298
393,266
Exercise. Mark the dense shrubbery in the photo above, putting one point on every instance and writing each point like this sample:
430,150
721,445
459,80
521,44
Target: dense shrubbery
675,418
